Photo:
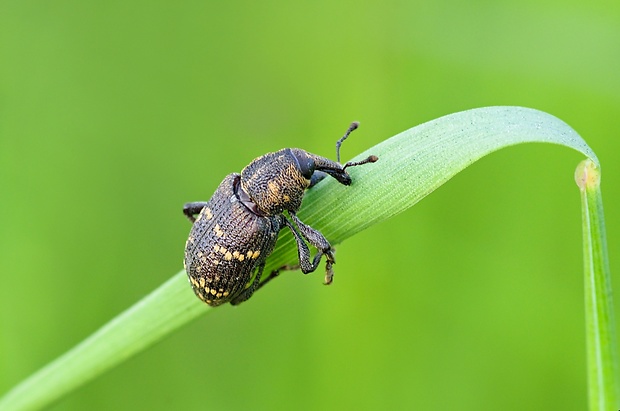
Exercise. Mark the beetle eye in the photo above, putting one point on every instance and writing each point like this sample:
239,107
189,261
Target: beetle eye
305,163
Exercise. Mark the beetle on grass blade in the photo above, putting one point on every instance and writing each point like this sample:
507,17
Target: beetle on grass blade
236,230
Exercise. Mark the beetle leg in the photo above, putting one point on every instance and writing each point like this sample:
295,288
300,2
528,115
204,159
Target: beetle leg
317,176
317,239
256,284
276,273
313,236
303,251
271,276
191,209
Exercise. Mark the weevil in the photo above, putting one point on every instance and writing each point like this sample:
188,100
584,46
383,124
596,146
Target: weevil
236,230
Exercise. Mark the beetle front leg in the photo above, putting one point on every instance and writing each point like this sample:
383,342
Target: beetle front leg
191,209
313,236
316,178
276,273
317,239
303,251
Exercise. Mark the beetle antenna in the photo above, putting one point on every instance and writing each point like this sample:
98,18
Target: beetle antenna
352,127
369,159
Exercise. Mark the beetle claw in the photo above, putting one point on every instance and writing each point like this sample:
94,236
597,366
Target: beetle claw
329,272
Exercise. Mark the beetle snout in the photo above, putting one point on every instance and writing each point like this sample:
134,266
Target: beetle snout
343,178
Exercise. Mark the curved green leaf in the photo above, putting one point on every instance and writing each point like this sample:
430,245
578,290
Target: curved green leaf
411,165
416,162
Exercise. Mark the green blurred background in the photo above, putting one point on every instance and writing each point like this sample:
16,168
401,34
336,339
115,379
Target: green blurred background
113,115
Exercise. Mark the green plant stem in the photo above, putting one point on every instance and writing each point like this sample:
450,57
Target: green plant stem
603,378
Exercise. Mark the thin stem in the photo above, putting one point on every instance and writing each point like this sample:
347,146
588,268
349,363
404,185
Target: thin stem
603,378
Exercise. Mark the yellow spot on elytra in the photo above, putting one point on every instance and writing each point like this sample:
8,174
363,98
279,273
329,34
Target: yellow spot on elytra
223,250
208,213
225,293
203,259
198,269
228,256
218,230
202,282
199,254
218,295
273,187
207,289
209,279
286,198
216,248
256,254
213,291
236,254
241,257
249,254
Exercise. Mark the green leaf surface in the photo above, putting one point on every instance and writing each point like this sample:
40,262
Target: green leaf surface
416,162
411,165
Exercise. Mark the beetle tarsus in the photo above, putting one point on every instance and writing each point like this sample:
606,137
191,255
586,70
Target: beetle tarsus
329,272
191,209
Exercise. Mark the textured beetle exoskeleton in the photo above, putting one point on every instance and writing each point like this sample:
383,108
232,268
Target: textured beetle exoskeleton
226,246
237,229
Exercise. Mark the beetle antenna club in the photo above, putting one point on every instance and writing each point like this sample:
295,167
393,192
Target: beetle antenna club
352,127
369,159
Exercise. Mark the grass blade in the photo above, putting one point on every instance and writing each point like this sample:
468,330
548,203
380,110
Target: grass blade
601,342
129,333
411,165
